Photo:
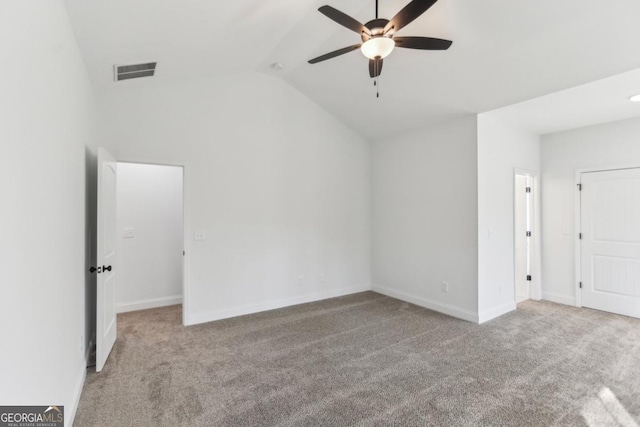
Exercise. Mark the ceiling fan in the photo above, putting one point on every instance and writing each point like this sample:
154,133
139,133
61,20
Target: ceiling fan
378,35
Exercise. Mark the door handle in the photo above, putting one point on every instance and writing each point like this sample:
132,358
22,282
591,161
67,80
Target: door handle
106,268
100,269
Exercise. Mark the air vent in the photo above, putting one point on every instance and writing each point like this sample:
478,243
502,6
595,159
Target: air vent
134,71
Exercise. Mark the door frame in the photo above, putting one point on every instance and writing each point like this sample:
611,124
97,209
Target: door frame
185,222
535,289
577,220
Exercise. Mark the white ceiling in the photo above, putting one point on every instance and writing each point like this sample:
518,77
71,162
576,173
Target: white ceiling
594,103
504,51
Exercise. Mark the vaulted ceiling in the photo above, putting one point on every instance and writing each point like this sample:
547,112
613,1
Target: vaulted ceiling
504,51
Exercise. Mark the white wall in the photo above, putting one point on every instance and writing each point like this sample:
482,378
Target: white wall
501,149
150,254
46,134
280,187
425,217
609,145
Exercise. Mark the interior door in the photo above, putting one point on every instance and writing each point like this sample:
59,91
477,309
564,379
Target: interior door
610,245
522,241
105,259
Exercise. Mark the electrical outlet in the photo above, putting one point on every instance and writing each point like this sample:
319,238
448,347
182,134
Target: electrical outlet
300,280
200,235
445,287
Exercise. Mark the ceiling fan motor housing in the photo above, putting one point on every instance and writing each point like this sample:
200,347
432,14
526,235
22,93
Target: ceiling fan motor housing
376,27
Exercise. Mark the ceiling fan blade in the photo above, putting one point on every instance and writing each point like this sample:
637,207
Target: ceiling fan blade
424,43
344,20
375,67
408,14
335,53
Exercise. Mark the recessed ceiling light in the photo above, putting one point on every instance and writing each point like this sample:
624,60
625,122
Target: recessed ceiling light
635,98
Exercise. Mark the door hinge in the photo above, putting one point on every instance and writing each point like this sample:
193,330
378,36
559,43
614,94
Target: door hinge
528,189
529,278
183,253
580,236
528,234
580,285
579,187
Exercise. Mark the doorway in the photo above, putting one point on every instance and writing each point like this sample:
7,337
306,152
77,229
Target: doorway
525,233
150,241
140,242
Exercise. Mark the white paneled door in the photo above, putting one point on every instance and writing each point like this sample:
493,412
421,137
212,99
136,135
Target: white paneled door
610,245
105,260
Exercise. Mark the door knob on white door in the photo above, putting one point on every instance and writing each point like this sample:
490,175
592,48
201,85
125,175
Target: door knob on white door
100,269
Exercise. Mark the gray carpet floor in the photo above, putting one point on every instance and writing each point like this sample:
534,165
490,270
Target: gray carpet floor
369,360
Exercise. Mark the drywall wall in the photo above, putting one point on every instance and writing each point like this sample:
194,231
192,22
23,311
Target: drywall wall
47,131
279,188
609,145
150,236
501,150
425,217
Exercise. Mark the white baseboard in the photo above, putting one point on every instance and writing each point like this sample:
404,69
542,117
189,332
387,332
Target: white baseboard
70,412
559,298
272,305
496,312
148,303
440,307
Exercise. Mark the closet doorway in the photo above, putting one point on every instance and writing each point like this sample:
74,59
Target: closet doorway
150,241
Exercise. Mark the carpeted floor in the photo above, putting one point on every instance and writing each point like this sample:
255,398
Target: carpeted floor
369,360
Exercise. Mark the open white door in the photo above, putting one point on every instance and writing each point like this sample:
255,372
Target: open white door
105,259
610,245
522,231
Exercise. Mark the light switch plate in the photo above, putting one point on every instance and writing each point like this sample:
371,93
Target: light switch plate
200,235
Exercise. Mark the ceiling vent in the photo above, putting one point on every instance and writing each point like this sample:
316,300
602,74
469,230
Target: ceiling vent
134,71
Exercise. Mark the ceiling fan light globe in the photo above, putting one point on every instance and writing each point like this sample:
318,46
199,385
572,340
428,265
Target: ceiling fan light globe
378,47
